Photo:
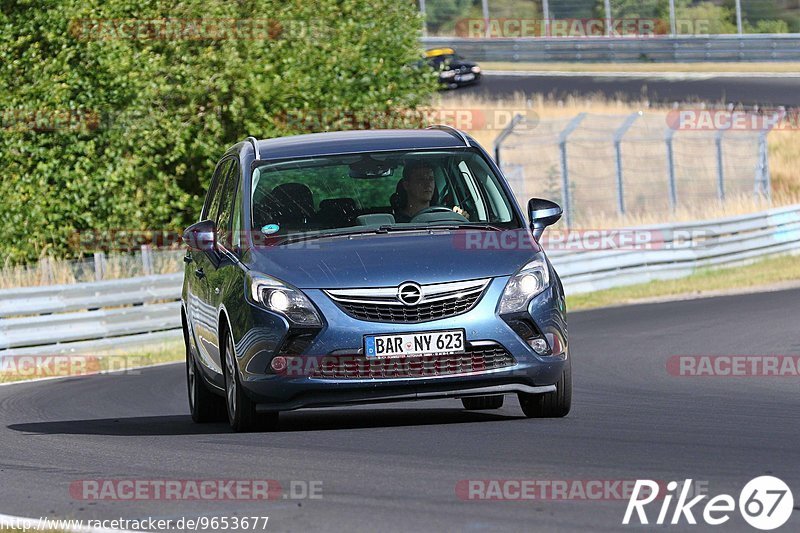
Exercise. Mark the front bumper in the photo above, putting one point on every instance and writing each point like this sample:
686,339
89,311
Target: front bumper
264,335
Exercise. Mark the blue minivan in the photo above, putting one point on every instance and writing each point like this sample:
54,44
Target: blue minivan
369,266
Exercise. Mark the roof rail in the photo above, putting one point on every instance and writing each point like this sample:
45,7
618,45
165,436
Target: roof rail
254,142
450,129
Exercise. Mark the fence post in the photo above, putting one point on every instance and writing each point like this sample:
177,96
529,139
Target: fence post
546,15
502,136
422,11
672,20
618,135
739,27
673,189
763,185
562,144
99,266
485,9
720,166
147,260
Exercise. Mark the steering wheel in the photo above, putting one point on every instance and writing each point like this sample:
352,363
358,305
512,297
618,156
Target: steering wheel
432,210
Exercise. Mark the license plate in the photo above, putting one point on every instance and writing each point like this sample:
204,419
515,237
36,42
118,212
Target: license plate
405,344
465,77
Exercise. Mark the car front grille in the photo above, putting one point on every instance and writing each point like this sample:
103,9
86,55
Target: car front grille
476,360
442,300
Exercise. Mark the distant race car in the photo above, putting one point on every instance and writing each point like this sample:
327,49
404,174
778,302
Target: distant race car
453,71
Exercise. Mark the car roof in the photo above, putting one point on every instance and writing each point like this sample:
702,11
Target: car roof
434,52
354,141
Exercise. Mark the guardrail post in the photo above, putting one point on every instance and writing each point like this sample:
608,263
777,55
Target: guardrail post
498,142
562,144
673,189
720,166
99,266
618,135
147,260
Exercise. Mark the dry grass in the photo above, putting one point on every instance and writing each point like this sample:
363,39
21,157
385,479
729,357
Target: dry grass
738,68
771,273
54,271
784,150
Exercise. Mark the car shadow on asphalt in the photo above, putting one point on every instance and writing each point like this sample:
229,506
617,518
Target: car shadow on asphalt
309,420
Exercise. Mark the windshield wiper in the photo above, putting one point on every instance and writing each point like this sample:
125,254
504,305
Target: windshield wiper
386,228
432,227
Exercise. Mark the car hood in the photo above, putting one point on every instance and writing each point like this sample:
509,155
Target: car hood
386,260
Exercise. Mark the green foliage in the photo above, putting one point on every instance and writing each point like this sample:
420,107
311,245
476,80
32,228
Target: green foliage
103,131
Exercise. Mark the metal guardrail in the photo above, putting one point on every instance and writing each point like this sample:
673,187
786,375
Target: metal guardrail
681,249
690,48
108,314
67,318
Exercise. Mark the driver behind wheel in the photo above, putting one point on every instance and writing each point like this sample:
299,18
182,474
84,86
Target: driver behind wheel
415,192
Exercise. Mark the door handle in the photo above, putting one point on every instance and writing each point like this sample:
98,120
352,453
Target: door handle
199,273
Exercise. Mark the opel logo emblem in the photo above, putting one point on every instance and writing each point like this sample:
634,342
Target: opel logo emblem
409,293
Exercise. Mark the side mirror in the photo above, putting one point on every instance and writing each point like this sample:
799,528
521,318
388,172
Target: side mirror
201,237
543,213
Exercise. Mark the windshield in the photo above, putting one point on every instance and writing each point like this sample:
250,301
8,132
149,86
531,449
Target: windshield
390,191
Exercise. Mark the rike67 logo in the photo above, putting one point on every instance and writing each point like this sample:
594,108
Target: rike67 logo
765,503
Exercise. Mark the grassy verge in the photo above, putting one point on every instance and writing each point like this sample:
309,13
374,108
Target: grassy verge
768,68
765,273
25,368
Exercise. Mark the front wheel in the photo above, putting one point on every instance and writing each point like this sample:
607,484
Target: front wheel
204,405
241,409
550,404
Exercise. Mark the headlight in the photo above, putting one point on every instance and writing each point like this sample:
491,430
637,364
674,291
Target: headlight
476,69
281,298
529,281
448,73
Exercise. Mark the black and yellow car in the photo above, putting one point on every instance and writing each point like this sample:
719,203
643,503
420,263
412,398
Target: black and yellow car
453,71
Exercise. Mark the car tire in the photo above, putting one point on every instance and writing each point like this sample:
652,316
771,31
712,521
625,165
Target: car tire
479,403
204,405
241,409
550,404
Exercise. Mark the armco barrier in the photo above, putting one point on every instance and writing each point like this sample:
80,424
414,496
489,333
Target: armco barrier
761,47
108,314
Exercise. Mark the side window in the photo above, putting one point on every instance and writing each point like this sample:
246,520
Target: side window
226,206
211,208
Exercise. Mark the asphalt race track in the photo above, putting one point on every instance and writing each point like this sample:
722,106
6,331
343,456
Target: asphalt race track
395,467
748,90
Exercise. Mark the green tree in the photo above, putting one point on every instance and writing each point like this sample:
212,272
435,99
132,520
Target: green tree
105,128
